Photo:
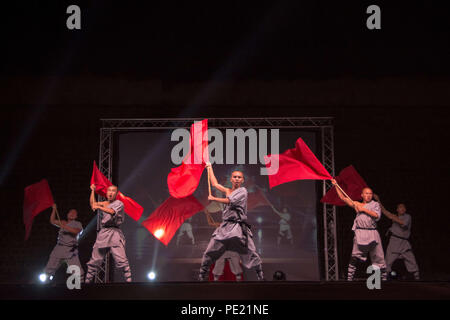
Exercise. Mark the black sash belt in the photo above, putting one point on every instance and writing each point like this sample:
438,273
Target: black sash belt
366,228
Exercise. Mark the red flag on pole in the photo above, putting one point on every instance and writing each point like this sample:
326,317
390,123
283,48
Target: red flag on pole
37,198
184,179
131,207
298,163
352,183
170,215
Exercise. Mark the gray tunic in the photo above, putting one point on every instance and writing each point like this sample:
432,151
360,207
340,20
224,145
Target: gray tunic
66,238
397,244
235,210
110,234
365,226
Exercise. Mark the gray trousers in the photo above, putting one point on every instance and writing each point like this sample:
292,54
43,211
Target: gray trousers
360,252
120,260
250,258
407,256
62,254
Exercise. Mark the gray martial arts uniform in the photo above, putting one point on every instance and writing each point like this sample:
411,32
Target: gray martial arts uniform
399,246
110,237
233,234
66,250
367,241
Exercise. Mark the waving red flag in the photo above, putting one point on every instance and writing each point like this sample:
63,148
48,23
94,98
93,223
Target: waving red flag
37,198
184,179
298,163
352,183
131,207
170,215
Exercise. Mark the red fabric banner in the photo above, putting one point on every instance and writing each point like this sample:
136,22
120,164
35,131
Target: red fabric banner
131,207
184,179
352,183
170,215
298,163
37,198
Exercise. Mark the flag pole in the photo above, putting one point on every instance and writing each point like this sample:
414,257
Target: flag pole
59,220
209,182
342,190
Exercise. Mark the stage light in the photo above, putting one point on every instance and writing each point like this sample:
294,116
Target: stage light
279,276
51,278
43,277
151,275
259,220
159,233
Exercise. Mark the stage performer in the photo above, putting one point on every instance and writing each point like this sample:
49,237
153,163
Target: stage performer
110,237
66,249
366,239
285,228
399,246
234,232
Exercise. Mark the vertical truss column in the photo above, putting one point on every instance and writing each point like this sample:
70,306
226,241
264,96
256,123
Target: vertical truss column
329,211
105,166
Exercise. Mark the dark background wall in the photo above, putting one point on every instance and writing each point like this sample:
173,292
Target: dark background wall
388,91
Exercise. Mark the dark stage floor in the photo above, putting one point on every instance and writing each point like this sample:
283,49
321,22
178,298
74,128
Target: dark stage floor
231,291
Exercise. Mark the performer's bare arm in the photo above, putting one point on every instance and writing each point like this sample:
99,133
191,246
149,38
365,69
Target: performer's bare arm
276,211
348,201
99,205
92,197
214,181
388,214
104,207
63,224
221,200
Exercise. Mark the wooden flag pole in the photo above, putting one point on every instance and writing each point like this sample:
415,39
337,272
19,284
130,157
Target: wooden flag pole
342,190
209,181
59,220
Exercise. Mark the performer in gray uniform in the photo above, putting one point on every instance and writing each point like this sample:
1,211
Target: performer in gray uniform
399,246
110,237
234,232
66,249
367,239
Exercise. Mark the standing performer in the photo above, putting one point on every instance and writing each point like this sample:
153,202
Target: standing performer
186,227
66,249
399,246
285,227
110,235
234,233
367,239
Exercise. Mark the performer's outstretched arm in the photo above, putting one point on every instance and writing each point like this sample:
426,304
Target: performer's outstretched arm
92,197
214,181
388,214
63,224
348,201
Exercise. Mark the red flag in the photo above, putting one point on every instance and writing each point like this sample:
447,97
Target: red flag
169,216
131,207
37,198
352,183
256,199
184,179
298,163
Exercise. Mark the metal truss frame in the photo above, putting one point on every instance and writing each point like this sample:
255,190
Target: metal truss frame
324,125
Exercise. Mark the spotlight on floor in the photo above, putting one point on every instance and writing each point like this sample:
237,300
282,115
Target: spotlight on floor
151,275
42,277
